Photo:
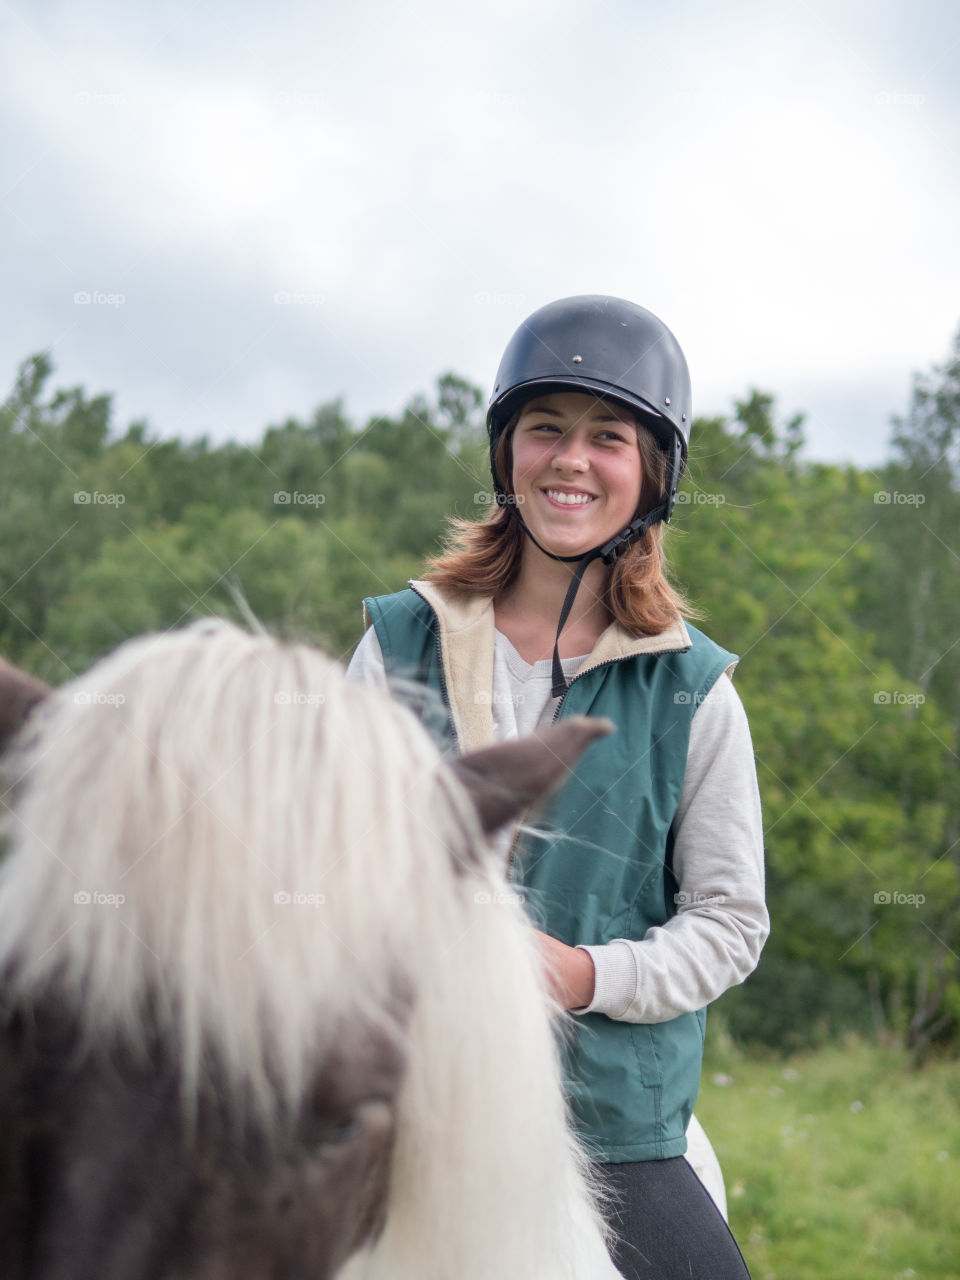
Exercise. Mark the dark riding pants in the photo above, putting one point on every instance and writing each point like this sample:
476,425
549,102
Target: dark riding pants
667,1226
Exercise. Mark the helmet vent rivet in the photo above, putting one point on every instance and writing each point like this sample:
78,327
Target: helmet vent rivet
683,417
578,359
666,399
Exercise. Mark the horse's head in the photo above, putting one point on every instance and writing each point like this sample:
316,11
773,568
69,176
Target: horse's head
258,909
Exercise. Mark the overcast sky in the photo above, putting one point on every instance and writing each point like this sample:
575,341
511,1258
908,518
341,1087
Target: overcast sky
274,206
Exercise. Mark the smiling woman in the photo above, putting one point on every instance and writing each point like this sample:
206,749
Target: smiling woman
596,465
576,470
644,873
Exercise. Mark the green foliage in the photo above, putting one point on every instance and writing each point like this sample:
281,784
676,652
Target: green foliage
102,538
839,593
840,1162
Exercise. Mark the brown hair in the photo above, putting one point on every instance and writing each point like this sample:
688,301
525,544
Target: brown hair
482,557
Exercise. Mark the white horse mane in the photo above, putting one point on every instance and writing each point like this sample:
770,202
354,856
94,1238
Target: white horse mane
199,774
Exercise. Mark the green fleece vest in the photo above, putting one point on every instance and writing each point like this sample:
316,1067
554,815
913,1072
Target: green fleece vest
603,869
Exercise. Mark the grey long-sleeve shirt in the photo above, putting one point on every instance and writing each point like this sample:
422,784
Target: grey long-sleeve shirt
714,940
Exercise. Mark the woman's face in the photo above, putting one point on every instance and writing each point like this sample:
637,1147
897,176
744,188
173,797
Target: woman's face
576,470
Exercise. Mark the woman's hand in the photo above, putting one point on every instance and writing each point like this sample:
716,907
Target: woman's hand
570,972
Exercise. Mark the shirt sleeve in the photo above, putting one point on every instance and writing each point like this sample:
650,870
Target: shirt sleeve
366,666
715,939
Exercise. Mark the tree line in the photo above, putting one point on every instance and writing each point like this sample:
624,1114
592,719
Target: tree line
838,586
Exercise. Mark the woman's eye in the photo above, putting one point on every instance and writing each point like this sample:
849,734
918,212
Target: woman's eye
552,428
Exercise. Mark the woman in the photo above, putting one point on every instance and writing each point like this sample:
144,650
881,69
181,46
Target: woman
645,873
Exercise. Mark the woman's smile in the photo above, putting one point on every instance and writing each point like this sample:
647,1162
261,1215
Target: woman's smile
571,499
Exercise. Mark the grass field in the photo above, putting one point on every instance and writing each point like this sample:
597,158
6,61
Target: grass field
840,1164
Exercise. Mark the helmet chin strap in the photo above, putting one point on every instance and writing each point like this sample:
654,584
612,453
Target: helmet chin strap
609,552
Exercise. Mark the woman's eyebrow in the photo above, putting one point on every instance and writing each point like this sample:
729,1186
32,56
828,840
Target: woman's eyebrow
600,415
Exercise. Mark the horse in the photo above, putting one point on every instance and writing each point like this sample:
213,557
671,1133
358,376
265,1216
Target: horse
269,1007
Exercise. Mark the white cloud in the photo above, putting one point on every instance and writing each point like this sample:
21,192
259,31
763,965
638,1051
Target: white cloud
780,185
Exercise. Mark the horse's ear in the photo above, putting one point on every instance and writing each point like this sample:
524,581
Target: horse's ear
507,779
19,694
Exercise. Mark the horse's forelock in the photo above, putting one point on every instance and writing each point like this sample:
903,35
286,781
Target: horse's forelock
222,819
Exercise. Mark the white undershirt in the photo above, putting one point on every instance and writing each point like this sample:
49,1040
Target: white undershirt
714,940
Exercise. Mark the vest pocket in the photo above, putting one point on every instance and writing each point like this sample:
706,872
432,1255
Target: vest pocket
643,1043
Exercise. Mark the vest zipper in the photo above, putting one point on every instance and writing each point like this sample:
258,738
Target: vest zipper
611,662
445,695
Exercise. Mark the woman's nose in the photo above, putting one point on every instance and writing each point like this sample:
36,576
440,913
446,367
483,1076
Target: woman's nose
570,455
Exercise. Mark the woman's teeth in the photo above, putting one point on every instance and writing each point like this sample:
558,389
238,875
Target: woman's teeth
569,499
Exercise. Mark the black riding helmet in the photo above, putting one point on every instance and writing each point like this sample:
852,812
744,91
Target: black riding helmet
614,349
